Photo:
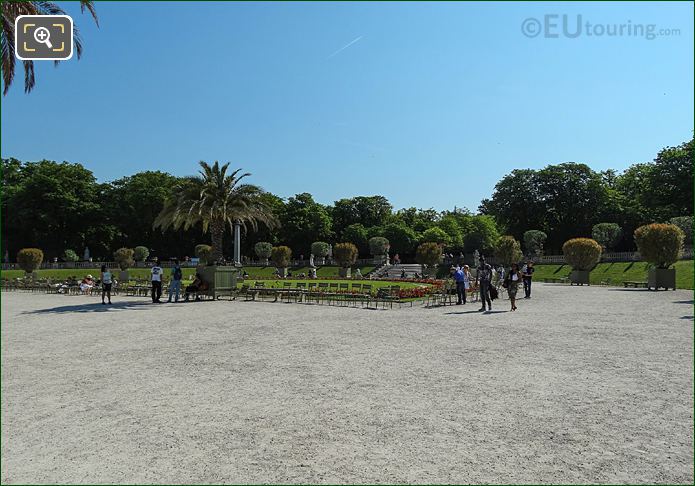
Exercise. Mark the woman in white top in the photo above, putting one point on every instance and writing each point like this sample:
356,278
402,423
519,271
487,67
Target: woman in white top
512,280
106,282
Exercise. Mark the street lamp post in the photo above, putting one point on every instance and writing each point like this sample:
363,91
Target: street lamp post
237,243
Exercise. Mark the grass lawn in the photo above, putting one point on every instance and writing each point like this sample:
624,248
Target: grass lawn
617,273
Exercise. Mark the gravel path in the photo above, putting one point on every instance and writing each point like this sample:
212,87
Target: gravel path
580,385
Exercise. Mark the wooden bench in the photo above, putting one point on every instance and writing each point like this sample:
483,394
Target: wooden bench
634,285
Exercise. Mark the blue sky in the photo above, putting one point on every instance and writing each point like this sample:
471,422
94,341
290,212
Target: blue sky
430,106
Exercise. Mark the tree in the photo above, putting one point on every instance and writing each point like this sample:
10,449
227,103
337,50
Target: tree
319,249
29,259
659,244
357,234
508,250
53,206
281,256
11,9
263,250
582,253
606,234
204,253
378,246
345,254
401,238
215,200
304,221
429,254
70,256
534,241
436,235
366,210
685,223
124,258
140,253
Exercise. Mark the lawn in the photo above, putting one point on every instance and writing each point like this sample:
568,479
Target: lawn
617,273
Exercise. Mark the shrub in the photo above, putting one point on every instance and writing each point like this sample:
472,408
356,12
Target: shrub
70,256
141,253
429,254
534,241
436,235
345,254
582,253
29,259
319,249
263,249
124,258
378,246
659,244
685,223
203,253
607,234
281,256
508,250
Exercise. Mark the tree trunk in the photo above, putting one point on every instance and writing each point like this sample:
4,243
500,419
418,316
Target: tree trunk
217,237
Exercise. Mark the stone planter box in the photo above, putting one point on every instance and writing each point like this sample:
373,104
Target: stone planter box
344,272
579,277
283,272
661,277
123,276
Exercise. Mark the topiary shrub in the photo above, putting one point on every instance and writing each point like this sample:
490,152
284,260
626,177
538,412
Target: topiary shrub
659,244
378,246
534,241
70,256
124,258
508,250
319,249
582,253
29,259
263,250
685,223
607,234
203,253
345,254
140,253
429,254
281,256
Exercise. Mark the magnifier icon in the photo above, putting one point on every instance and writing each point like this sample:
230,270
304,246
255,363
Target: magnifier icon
43,36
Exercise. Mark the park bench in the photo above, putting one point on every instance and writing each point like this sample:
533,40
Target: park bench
634,284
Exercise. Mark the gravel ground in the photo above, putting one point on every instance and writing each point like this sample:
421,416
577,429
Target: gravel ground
580,385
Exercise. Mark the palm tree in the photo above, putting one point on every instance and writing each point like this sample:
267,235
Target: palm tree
11,9
216,200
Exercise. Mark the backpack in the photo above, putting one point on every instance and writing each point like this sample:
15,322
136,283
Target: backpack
178,274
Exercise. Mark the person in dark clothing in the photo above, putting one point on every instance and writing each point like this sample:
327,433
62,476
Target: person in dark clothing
484,280
528,275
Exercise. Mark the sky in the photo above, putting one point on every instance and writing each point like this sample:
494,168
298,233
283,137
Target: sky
428,104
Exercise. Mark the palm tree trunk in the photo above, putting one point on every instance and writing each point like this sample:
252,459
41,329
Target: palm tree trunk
217,236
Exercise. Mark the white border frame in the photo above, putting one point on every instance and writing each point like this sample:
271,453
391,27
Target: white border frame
72,40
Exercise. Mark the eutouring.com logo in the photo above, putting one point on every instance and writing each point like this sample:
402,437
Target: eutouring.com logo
554,26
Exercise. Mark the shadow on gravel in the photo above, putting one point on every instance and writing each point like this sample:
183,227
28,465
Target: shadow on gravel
689,302
477,312
93,307
688,317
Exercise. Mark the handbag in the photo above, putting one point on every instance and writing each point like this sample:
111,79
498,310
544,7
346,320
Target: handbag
493,293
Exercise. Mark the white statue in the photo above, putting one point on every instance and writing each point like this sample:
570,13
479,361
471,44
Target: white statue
311,260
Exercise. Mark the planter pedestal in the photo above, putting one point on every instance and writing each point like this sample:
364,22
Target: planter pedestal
123,276
221,280
344,272
579,277
661,277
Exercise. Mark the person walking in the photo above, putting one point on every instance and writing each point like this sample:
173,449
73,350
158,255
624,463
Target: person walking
467,281
175,285
511,283
484,280
156,278
460,278
528,275
106,282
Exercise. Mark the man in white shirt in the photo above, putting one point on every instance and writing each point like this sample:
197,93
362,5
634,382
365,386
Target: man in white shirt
156,273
